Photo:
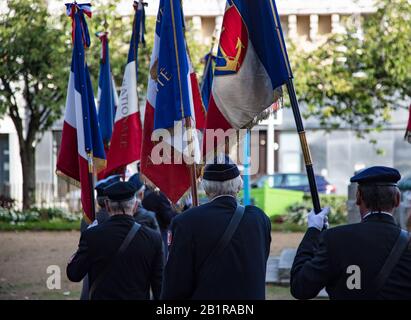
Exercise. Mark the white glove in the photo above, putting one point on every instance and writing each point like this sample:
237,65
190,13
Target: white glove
94,224
320,220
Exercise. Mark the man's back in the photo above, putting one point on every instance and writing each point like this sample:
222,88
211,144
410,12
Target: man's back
131,274
239,272
366,245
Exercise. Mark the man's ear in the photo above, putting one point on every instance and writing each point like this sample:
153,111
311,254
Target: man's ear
358,197
397,200
107,203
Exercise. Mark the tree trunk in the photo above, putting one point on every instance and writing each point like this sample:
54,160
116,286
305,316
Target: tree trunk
28,164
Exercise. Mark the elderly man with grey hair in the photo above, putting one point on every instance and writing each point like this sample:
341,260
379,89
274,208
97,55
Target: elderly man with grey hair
122,258
218,250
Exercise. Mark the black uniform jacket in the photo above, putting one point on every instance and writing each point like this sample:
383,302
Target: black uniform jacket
240,271
131,276
323,260
146,218
158,203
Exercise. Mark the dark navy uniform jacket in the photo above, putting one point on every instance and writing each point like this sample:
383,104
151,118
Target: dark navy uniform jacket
139,268
323,258
240,271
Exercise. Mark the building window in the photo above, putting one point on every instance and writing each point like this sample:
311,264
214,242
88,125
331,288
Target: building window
303,26
208,28
4,165
324,24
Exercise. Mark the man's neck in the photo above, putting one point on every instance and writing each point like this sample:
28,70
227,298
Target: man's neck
120,214
378,212
223,195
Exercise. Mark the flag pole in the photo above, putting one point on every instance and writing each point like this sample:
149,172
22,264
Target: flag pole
192,167
91,180
304,146
247,146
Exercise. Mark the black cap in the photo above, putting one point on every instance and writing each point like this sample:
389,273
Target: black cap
136,181
379,175
221,170
101,185
120,191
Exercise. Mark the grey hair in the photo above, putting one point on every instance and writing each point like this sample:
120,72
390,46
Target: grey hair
117,207
102,201
218,188
379,198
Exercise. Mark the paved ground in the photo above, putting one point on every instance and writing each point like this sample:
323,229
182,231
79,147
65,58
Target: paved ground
25,257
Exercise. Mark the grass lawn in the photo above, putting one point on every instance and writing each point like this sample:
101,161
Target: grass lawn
274,292
43,225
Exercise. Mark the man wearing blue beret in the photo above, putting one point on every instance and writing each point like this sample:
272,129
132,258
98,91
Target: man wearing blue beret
367,260
218,250
101,216
122,258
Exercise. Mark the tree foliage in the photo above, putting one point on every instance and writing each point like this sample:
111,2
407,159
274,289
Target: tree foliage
33,78
359,77
35,55
119,27
33,67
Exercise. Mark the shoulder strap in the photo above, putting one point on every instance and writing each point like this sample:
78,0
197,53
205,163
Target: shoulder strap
392,260
226,237
124,245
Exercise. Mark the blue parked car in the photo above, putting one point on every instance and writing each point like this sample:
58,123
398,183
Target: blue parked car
294,181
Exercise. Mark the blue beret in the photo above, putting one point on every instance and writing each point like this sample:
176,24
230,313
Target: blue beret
120,191
136,181
218,171
101,185
378,176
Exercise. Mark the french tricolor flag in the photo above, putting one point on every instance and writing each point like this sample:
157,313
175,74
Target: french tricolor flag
125,146
107,95
173,99
81,153
251,65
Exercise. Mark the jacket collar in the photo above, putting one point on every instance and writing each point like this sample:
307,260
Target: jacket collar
224,199
379,217
118,217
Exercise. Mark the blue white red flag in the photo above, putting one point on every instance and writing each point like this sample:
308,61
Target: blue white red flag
106,92
107,96
125,146
251,65
207,81
81,150
173,102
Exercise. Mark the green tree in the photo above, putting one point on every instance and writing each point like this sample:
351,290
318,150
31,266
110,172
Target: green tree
358,78
34,66
120,28
35,55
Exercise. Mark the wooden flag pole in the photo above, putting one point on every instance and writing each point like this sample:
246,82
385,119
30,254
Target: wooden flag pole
91,180
192,167
304,146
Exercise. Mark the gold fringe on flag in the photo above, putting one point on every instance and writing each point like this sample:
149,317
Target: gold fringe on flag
277,105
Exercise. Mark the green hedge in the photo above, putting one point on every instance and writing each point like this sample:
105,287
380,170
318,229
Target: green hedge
296,214
39,219
51,225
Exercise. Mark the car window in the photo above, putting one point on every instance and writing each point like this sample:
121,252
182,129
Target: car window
295,180
274,181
